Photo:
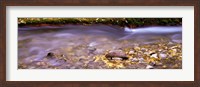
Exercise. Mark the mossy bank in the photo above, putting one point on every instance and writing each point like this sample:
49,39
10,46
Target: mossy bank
129,22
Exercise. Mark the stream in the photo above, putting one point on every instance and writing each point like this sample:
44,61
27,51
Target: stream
86,47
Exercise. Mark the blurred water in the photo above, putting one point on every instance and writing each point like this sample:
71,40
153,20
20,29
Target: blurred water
39,40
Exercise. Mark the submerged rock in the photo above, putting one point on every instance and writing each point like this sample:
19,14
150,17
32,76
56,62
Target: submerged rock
50,54
116,53
91,50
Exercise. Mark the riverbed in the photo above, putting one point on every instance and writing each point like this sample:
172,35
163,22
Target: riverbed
99,47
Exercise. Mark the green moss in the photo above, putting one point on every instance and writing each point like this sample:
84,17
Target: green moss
131,22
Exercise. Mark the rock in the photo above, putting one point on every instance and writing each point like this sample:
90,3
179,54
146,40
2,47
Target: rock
141,60
91,49
54,55
141,66
146,53
137,48
149,67
117,58
174,50
164,66
143,49
160,50
50,54
170,43
93,44
152,63
154,55
163,56
131,52
99,51
116,53
159,64
134,60
40,63
81,60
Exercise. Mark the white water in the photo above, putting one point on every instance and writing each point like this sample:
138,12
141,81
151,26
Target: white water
173,33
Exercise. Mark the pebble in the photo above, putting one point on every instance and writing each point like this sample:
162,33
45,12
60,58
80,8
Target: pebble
149,67
91,49
164,66
131,52
154,55
163,56
99,51
40,63
170,43
31,67
116,53
93,44
146,53
137,48
117,58
134,60
152,63
141,60
50,55
159,64
174,50
143,49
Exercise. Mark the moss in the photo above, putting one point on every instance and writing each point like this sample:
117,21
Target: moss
130,22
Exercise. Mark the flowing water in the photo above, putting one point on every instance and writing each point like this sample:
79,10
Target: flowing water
75,43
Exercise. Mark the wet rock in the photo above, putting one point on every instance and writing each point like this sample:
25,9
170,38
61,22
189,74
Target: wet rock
164,66
73,67
137,48
163,56
116,53
22,66
154,55
141,66
93,44
55,62
149,67
143,49
31,67
146,53
152,63
170,43
41,63
99,51
117,58
131,52
134,60
141,60
174,50
50,55
91,49
81,60
159,64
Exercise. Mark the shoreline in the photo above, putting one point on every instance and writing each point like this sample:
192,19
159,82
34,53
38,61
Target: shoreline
122,22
